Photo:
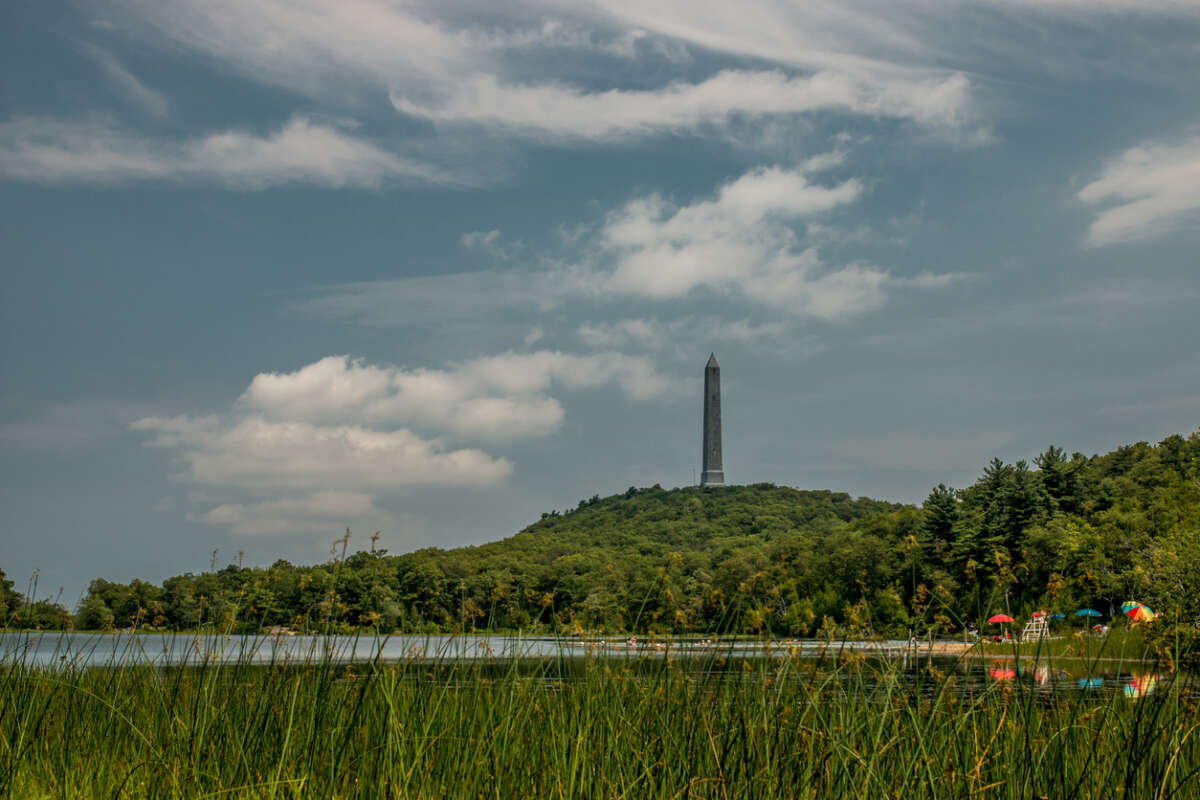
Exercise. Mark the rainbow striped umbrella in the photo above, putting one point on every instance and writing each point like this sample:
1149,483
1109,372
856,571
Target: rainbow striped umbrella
1138,612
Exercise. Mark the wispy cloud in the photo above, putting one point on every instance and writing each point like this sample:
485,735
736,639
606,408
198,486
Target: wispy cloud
438,64
127,85
301,151
859,36
558,34
559,111
318,48
654,334
1152,189
492,242
316,512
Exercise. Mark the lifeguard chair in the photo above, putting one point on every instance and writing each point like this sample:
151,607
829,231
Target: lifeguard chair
1038,627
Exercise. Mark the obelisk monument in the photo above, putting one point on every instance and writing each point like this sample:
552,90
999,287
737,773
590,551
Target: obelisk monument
713,474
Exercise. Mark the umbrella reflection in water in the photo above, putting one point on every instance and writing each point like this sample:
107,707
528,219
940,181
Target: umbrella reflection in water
1141,685
1000,671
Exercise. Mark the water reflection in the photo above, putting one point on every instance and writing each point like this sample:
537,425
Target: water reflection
1141,686
116,649
998,671
111,649
865,667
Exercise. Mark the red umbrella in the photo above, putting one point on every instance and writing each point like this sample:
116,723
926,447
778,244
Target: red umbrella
1001,618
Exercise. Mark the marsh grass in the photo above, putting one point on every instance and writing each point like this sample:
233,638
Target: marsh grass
772,727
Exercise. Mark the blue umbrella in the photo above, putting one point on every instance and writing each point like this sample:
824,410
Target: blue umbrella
1087,612
1058,616
1090,683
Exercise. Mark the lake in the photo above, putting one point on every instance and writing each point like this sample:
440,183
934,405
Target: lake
971,676
53,648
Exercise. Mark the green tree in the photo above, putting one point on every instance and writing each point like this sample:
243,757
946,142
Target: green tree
940,518
10,600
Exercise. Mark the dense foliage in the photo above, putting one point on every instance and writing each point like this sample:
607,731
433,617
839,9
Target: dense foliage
17,612
1063,533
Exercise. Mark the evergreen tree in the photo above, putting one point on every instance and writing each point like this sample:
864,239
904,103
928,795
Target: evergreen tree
1060,478
939,519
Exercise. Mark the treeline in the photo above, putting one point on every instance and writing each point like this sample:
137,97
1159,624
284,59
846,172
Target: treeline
1062,533
17,612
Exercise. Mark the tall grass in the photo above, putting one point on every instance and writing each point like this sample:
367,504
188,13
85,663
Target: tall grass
578,728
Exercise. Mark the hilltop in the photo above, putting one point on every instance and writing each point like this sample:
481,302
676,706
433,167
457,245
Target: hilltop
644,558
1063,533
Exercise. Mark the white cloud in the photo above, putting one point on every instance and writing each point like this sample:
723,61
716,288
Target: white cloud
337,388
317,512
859,35
823,161
331,433
876,39
557,34
302,151
491,242
437,60
480,239
565,112
320,48
743,241
258,453
740,242
644,333
493,398
653,334
1153,188
437,63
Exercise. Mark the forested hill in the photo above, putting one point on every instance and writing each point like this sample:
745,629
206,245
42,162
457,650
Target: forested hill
1059,534
643,524
645,558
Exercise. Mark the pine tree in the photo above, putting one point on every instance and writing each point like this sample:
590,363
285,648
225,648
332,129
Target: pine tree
940,515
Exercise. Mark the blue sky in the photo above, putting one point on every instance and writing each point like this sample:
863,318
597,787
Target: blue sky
272,269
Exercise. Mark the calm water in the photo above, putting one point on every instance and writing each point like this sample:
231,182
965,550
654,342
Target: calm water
972,676
114,649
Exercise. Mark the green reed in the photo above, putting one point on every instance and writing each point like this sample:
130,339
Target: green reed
653,727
